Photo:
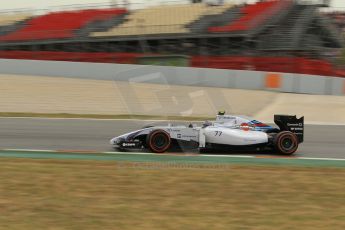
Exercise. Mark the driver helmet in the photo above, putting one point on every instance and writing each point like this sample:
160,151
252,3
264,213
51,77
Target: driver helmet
221,112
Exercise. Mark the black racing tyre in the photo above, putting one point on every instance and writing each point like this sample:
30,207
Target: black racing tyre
204,150
286,143
158,141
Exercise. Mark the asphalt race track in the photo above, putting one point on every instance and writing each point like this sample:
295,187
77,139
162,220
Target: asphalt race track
321,141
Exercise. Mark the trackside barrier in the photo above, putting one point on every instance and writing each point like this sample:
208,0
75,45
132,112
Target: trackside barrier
301,65
238,79
273,81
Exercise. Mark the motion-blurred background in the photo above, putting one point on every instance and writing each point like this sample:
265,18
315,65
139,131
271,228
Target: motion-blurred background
282,35
268,47
168,60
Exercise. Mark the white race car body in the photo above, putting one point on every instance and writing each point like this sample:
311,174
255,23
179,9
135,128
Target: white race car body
235,137
227,132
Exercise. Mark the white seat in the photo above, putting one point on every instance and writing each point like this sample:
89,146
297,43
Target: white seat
162,19
8,19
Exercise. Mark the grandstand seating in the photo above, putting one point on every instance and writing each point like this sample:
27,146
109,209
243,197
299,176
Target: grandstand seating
273,64
98,57
340,73
206,21
290,30
12,22
252,15
162,20
285,33
333,31
315,66
59,25
338,18
9,19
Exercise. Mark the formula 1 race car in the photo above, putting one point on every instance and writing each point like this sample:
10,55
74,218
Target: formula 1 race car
227,133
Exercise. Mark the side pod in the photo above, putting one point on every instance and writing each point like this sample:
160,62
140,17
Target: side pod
292,124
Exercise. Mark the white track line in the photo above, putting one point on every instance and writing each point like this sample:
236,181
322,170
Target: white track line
229,156
127,153
323,159
179,155
28,150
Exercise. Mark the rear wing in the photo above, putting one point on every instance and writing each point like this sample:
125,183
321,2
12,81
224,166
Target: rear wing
292,124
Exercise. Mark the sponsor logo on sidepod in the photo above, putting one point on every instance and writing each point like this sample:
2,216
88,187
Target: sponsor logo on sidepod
299,124
128,144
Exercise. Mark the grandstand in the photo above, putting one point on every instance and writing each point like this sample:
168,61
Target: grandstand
253,15
272,35
60,25
144,22
10,19
338,19
12,22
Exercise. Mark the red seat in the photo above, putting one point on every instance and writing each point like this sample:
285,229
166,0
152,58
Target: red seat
98,57
58,25
251,15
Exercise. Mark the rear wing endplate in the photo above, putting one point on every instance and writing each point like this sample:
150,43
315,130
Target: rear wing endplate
292,124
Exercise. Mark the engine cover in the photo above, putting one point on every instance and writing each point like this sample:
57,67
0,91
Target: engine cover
235,137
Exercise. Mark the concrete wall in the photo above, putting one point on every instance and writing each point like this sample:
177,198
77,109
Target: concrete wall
282,82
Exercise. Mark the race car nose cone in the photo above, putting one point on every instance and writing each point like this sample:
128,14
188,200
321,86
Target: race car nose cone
114,141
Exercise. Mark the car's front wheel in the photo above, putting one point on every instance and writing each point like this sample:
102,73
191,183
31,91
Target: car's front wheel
286,143
158,141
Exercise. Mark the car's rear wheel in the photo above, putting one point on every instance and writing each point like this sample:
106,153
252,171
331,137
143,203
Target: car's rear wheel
158,141
286,143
